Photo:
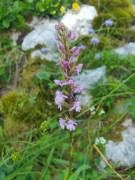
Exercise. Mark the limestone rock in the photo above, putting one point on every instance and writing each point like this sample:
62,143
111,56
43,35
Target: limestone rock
124,151
128,49
80,21
87,79
43,34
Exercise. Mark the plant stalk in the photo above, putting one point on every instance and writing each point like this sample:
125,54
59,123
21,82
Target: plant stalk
70,155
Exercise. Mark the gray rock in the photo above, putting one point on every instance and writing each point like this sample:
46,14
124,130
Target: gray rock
132,28
87,79
50,56
124,151
43,34
128,49
80,22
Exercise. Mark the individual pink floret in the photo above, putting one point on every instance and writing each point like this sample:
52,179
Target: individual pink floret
79,68
78,89
71,125
76,106
62,123
58,82
59,99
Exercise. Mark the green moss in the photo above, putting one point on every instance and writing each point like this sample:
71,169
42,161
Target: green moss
28,74
125,35
106,5
98,20
107,43
13,128
20,106
122,17
121,11
35,103
20,111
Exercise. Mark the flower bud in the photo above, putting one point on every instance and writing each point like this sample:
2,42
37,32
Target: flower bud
57,27
76,52
57,37
62,26
68,33
61,47
73,36
74,49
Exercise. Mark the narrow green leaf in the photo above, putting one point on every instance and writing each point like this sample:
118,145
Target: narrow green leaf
75,175
2,175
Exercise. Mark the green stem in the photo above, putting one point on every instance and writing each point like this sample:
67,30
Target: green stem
71,152
108,32
67,57
70,155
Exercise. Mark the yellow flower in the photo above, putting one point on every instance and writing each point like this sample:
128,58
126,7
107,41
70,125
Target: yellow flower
44,126
15,156
75,6
62,9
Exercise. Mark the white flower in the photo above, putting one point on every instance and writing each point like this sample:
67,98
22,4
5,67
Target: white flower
100,140
92,108
101,112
